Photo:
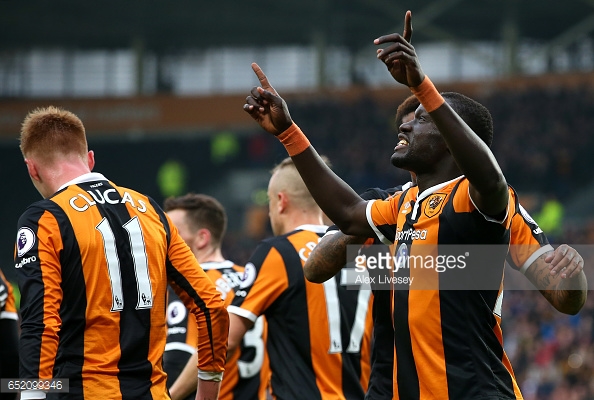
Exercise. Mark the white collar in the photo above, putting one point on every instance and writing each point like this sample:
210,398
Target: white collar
88,177
216,264
432,189
313,228
429,191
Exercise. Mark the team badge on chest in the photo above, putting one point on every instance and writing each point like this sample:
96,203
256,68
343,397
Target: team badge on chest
434,204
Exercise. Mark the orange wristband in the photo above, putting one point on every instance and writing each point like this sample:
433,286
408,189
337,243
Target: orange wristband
294,140
428,95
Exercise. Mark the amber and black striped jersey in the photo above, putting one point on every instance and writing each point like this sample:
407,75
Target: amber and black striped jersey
527,242
93,263
7,301
447,343
247,372
318,335
9,336
382,361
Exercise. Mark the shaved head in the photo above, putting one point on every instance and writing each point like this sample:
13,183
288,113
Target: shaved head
286,178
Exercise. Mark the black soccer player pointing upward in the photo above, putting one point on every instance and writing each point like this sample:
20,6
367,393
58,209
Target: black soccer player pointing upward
448,341
438,145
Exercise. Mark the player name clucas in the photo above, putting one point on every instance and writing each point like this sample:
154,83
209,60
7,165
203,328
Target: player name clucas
82,202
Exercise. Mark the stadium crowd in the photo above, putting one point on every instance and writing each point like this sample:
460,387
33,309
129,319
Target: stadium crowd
552,353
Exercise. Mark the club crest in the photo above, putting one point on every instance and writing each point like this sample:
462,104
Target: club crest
434,204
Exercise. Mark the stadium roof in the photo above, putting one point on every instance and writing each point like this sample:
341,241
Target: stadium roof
168,26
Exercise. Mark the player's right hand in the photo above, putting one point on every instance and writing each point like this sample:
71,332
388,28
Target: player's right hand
266,107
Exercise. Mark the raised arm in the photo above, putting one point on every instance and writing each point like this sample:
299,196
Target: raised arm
340,203
488,187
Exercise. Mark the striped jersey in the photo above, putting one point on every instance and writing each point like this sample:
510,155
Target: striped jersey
93,263
319,335
247,373
9,335
8,310
527,242
447,343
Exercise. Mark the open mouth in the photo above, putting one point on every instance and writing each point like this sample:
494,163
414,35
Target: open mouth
403,142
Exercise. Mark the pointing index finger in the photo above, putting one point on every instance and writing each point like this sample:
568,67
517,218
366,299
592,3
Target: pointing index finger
262,78
407,33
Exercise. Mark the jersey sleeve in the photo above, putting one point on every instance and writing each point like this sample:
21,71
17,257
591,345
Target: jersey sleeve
199,295
382,216
527,241
505,220
265,280
38,268
463,203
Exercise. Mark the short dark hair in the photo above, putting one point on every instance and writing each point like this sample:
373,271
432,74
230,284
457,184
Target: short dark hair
409,105
476,116
202,211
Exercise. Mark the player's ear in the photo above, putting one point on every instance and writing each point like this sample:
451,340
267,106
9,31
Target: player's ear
91,159
283,201
32,169
202,238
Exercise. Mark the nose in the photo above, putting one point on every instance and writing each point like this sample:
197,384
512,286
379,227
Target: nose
405,127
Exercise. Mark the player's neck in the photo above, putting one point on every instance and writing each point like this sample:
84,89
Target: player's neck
62,174
302,217
209,255
444,174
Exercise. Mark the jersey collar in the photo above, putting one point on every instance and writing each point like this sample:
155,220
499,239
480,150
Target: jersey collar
429,191
216,264
88,177
313,228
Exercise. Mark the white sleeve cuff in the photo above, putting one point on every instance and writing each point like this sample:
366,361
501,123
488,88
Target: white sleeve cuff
9,315
534,256
380,236
210,376
242,312
32,394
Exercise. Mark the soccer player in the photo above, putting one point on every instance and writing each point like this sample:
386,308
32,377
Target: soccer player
202,221
318,335
93,262
447,342
9,337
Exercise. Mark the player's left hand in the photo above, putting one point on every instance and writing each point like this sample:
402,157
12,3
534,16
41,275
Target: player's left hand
266,107
566,261
400,57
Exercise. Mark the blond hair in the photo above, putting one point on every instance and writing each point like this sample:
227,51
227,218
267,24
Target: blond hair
290,182
49,132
